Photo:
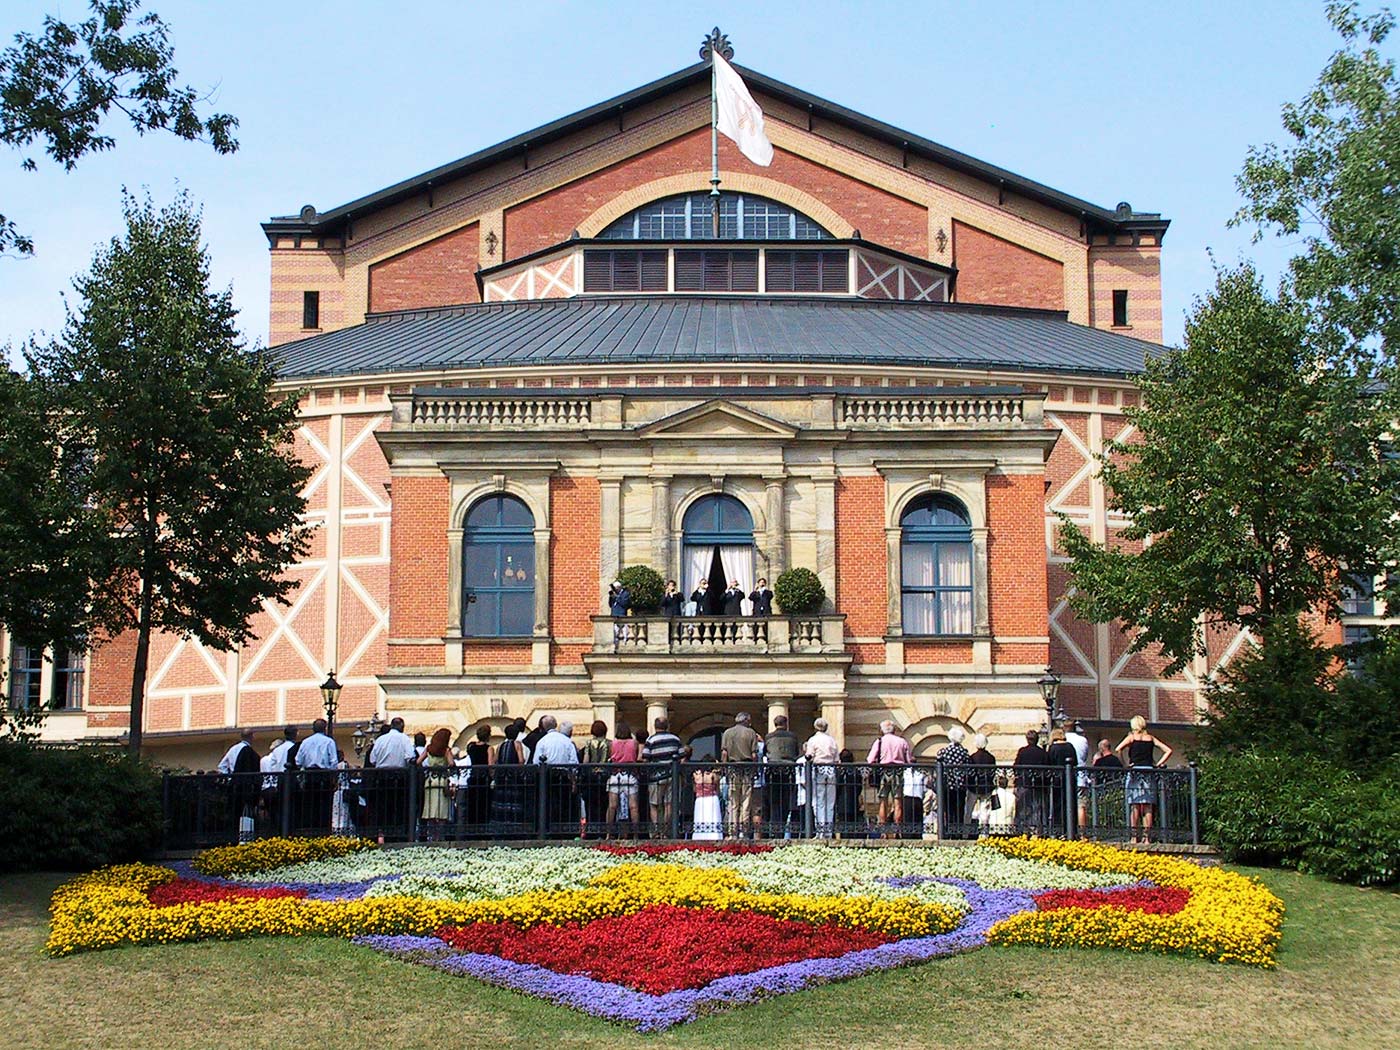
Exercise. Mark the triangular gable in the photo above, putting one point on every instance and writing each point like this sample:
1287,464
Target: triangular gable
717,419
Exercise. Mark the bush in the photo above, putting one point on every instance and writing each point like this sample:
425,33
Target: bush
1300,811
75,809
646,586
799,591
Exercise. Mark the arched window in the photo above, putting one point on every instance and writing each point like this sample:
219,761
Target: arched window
935,551
498,569
742,217
718,548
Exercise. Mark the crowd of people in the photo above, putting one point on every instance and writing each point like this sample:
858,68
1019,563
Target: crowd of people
634,784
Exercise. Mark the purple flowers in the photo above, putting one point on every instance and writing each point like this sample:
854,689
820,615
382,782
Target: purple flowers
651,1013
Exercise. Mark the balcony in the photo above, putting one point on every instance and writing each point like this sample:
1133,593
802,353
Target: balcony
709,635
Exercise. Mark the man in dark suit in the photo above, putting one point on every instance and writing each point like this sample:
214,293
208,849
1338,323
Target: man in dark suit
762,599
734,600
701,597
1031,774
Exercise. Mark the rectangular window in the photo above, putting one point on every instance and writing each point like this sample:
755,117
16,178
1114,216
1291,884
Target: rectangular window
26,670
311,309
1359,595
716,271
937,588
806,271
1120,308
66,693
624,271
1356,640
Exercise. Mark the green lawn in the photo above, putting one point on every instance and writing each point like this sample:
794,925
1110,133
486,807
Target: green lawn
1337,984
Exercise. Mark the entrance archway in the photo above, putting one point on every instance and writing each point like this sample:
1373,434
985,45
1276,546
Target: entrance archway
717,547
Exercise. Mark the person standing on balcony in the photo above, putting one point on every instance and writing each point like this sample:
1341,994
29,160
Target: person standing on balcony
734,599
700,596
891,752
762,599
672,602
619,602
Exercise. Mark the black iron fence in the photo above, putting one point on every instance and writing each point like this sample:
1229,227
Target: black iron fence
685,801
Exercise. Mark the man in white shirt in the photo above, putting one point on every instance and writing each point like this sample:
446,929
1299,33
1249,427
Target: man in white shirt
823,753
244,788
394,749
227,764
1075,738
272,765
318,756
556,749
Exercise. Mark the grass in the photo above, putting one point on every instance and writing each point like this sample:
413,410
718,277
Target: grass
1337,984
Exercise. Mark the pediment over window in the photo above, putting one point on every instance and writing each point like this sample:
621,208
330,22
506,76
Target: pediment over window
717,419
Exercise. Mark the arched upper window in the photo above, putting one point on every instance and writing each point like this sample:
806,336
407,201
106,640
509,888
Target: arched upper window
717,519
498,569
742,217
935,552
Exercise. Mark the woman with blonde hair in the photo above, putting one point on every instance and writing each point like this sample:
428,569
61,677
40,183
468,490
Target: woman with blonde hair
1141,785
435,761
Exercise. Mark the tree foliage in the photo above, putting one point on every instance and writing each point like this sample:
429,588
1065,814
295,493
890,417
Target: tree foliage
190,445
58,87
1333,182
646,586
799,591
1255,471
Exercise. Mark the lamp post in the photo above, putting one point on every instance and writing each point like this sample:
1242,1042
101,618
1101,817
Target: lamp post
1049,684
330,693
365,735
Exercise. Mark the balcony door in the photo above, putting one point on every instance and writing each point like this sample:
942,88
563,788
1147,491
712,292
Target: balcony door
718,548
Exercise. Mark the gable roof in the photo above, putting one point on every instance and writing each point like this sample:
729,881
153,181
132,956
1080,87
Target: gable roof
310,221
706,330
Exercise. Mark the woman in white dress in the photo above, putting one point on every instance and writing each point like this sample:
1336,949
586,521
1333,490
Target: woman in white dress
708,824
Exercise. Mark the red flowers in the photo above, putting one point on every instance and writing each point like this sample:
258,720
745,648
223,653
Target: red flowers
662,948
734,849
194,891
1154,900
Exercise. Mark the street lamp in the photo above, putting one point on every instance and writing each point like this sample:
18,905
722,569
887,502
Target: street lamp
1049,684
366,735
330,693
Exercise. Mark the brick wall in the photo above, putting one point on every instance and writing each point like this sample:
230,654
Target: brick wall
861,584
991,270
551,217
109,679
1139,272
1016,558
418,569
439,273
575,514
306,269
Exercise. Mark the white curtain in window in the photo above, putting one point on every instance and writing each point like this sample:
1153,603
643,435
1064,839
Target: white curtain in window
697,567
737,560
955,570
916,570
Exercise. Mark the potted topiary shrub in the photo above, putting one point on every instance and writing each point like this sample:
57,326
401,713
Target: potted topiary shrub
646,586
799,591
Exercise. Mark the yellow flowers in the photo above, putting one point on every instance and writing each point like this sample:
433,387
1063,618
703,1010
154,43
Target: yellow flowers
264,854
110,907
1228,918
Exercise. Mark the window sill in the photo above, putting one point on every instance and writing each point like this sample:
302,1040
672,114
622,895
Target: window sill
1120,328
934,638
313,331
494,639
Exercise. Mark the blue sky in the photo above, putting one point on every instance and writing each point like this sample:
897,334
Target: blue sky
1152,103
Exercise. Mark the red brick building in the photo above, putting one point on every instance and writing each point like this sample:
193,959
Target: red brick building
532,367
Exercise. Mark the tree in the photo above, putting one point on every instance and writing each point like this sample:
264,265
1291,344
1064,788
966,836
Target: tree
191,456
1333,185
1256,471
57,88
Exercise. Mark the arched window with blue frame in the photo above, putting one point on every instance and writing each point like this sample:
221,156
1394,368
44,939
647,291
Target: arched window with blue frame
717,539
935,551
690,216
498,569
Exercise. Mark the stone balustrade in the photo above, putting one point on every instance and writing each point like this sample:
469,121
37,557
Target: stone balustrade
503,413
696,635
931,412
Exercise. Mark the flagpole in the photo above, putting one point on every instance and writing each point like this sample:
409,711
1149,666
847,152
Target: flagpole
715,43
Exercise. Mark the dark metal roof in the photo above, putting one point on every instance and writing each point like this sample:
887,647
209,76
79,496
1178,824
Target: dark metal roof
311,221
706,330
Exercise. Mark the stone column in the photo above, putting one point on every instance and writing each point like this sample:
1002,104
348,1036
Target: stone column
609,535
826,538
661,525
832,707
657,707
777,526
778,704
605,709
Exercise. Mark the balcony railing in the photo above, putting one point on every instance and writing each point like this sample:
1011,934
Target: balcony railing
693,635
507,413
925,412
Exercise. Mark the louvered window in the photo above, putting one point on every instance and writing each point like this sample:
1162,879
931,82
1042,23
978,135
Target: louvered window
806,271
624,271
716,271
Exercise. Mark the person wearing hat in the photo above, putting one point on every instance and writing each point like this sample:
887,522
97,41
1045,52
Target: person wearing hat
1076,739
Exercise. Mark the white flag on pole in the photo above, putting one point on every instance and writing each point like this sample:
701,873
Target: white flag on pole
738,115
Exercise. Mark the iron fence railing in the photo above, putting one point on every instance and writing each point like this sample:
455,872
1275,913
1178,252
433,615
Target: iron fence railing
679,801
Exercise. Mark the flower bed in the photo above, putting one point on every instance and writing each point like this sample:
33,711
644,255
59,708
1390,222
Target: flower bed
654,936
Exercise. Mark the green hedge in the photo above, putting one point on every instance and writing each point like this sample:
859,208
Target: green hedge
1298,811
646,585
74,809
799,591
